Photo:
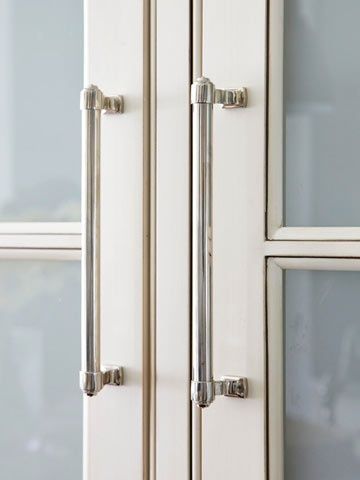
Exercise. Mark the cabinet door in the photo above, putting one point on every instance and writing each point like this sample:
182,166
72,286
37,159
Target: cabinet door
115,419
313,220
44,47
284,241
233,56
228,436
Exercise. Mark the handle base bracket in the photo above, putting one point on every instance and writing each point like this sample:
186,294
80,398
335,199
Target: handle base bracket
232,386
204,91
203,393
231,97
113,375
92,382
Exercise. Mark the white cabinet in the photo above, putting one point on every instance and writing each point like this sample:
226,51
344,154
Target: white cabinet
283,241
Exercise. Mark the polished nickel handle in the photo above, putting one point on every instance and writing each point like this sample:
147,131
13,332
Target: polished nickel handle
203,386
93,376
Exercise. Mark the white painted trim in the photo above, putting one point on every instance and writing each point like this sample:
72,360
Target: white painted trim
316,233
275,222
173,241
311,249
274,312
352,264
114,46
275,268
234,55
40,228
197,453
41,254
151,217
275,117
40,241
197,20
197,39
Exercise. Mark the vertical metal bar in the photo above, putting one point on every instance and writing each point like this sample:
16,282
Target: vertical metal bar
93,375
203,386
202,94
92,103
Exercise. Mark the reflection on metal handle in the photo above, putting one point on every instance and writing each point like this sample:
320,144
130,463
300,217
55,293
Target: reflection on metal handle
203,386
93,376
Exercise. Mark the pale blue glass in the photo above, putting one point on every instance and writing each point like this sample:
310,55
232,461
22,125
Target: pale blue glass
321,113
41,74
40,400
322,375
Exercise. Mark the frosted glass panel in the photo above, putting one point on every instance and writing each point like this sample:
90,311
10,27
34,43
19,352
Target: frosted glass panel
40,401
322,375
322,112
41,51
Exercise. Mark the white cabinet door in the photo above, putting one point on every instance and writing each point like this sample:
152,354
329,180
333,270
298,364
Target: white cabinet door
313,218
115,422
284,209
149,426
40,239
228,45
284,240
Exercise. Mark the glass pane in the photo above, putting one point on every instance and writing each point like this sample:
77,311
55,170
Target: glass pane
41,49
322,375
40,401
322,112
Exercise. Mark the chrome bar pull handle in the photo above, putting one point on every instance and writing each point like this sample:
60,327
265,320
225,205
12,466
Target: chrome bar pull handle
203,386
93,376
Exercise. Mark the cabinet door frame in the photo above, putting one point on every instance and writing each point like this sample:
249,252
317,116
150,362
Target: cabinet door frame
192,45
118,422
242,246
234,55
275,363
301,248
172,339
118,435
276,230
